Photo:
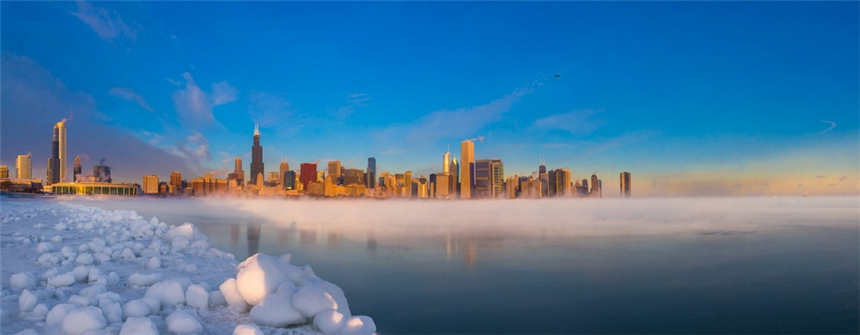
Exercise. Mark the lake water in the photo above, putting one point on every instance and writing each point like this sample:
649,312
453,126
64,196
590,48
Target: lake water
713,265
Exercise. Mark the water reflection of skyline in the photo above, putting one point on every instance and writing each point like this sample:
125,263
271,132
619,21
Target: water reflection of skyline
457,245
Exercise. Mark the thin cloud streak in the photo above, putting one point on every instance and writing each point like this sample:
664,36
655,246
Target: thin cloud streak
105,23
130,95
832,125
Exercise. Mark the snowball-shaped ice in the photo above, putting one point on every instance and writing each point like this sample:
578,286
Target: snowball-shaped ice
22,280
127,254
185,230
28,331
61,280
39,312
258,276
139,279
135,308
328,321
82,301
27,301
247,329
93,291
102,257
83,319
112,312
357,325
311,299
336,293
231,294
196,296
138,326
44,247
191,268
276,309
84,259
81,273
168,293
181,323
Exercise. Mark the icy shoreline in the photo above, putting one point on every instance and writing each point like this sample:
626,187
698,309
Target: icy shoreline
70,269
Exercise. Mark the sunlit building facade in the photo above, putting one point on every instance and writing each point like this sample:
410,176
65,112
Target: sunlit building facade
4,172
625,184
122,189
24,167
467,161
150,184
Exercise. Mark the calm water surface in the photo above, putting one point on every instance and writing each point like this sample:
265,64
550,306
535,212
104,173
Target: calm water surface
717,266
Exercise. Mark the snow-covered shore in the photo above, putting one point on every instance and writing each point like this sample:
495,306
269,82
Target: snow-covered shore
69,269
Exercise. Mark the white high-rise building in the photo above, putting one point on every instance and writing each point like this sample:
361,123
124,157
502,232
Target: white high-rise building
24,165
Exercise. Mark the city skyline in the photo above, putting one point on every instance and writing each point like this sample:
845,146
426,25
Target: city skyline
765,115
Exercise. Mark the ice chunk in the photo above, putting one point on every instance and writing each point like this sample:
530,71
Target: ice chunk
112,278
83,301
22,280
153,263
83,319
58,313
127,254
247,329
336,293
231,294
179,242
328,321
276,309
44,247
197,296
216,298
169,292
191,268
181,323
28,331
185,230
81,273
27,301
112,312
357,325
153,303
135,308
311,299
139,279
258,276
39,312
93,291
84,259
61,280
138,326
57,239
101,257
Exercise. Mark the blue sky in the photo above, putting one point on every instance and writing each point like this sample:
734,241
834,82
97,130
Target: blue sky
702,98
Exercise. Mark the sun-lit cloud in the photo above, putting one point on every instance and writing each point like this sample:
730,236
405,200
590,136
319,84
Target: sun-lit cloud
577,122
223,93
194,106
105,23
128,94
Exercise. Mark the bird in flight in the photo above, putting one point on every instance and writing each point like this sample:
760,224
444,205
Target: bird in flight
558,76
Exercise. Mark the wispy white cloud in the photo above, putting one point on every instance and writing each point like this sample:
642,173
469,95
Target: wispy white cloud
223,93
130,95
578,122
272,110
353,100
832,125
105,23
194,106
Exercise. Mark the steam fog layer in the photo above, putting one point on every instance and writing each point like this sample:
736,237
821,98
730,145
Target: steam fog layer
694,265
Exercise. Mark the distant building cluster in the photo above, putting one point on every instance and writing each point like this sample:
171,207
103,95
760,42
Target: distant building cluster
464,179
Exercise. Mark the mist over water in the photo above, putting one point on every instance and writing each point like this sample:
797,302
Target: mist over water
703,265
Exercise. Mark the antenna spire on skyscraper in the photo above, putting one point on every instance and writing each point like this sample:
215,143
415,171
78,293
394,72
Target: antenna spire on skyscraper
256,130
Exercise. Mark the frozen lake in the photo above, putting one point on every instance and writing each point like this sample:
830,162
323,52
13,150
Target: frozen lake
710,265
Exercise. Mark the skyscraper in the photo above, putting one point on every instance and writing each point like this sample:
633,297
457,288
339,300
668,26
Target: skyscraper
4,172
371,173
483,179
595,188
455,178
61,132
407,183
23,167
446,160
53,176
497,178
625,184
467,161
77,169
334,170
150,184
237,169
283,168
289,180
307,174
544,179
256,157
176,181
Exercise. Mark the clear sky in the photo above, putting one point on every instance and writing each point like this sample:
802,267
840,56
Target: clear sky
692,98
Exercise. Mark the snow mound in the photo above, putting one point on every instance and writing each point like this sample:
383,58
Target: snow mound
82,320
181,323
247,329
22,280
138,326
170,292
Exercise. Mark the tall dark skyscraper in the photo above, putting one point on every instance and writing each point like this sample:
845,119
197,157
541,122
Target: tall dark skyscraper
54,162
625,184
77,168
371,172
256,157
307,174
